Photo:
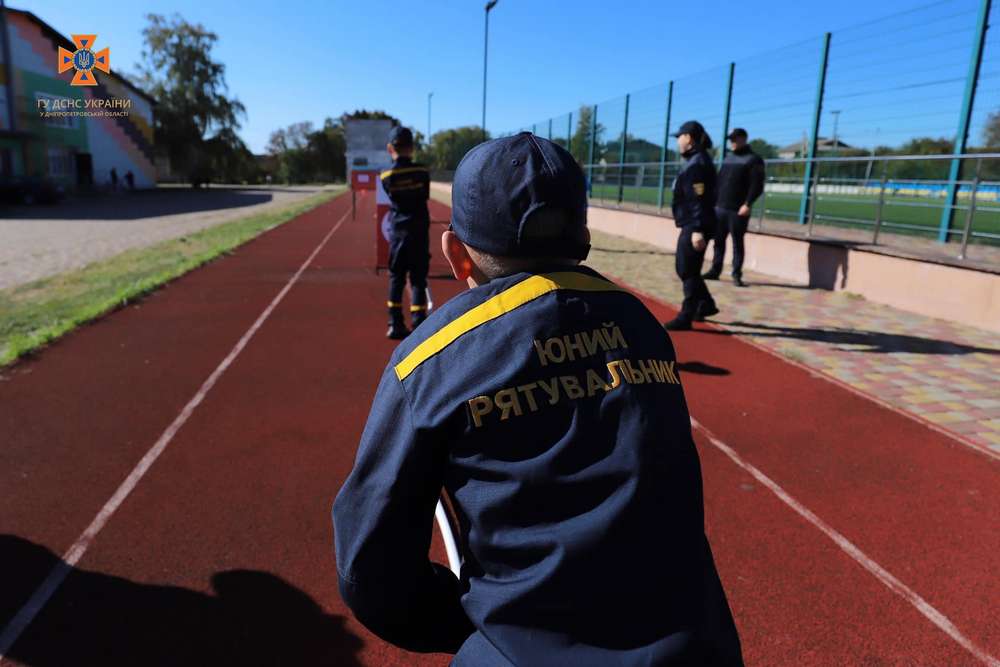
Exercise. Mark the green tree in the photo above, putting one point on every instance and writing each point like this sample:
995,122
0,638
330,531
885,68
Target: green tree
305,154
764,149
580,144
448,147
195,116
991,132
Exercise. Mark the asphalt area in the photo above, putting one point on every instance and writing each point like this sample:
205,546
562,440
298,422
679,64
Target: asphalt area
168,472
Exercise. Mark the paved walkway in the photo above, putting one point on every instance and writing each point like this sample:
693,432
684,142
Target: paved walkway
41,241
943,372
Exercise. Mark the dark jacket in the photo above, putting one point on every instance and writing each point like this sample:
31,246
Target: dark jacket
408,185
549,406
694,190
741,179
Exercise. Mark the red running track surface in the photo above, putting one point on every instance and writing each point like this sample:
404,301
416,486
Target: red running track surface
223,551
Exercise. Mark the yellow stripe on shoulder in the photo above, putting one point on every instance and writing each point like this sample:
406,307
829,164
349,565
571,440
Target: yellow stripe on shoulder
402,170
511,298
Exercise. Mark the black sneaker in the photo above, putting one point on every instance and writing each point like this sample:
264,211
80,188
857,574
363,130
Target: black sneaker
397,332
738,281
705,309
711,275
678,324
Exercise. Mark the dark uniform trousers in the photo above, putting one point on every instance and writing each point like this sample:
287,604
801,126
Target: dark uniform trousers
688,264
408,254
729,223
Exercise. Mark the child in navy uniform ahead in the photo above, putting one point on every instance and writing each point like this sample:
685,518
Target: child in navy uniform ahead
408,185
546,401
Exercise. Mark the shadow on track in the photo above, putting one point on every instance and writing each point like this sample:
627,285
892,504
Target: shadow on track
701,368
251,618
873,341
128,206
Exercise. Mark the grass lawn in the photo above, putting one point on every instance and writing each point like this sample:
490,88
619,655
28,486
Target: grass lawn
850,210
35,313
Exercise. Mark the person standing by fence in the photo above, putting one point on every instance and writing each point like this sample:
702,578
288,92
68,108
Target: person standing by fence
741,182
694,196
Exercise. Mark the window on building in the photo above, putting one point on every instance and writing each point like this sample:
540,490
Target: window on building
60,163
56,103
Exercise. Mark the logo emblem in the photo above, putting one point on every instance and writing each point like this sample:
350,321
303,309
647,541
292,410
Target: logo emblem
84,60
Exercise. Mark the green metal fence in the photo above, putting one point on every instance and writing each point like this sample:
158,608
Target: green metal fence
924,81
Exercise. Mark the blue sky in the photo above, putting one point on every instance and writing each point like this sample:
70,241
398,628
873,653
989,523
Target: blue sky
297,60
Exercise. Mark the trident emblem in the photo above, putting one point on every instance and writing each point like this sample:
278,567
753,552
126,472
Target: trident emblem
84,60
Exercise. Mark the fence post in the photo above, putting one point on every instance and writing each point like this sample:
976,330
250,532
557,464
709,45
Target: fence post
881,202
664,151
817,112
964,117
590,151
621,155
972,210
550,130
812,202
725,114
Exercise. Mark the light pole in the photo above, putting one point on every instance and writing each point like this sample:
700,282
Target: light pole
486,43
429,96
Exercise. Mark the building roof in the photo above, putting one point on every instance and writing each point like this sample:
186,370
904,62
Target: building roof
822,143
61,40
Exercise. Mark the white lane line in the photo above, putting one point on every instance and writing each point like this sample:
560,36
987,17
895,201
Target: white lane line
848,547
41,596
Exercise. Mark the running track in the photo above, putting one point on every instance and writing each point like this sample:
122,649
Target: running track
845,533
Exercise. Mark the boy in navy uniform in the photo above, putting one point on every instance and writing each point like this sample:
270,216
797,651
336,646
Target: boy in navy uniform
546,401
408,185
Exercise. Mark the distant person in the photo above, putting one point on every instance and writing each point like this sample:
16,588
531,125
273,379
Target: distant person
546,400
408,185
741,182
130,180
693,206
114,179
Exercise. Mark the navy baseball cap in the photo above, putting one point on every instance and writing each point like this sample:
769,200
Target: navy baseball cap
692,127
737,133
401,136
521,196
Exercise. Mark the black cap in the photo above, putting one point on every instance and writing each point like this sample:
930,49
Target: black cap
521,196
737,133
401,136
692,127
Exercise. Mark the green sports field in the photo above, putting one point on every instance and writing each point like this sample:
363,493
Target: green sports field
900,215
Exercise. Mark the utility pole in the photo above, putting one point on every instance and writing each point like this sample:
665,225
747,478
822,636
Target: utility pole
429,96
486,45
836,122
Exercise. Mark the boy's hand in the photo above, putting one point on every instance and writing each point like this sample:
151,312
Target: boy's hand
698,241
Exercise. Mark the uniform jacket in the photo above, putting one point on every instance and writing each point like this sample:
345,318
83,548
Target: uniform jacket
550,409
741,179
408,185
694,191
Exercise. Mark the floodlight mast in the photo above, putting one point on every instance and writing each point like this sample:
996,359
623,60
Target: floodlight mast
486,43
